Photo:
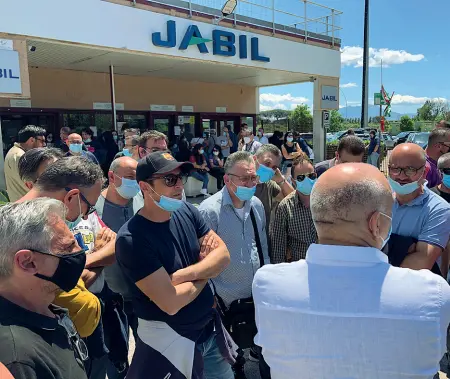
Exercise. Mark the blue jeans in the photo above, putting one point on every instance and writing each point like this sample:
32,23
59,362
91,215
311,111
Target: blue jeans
373,159
202,176
216,367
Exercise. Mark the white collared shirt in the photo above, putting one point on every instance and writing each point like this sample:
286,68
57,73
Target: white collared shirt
344,312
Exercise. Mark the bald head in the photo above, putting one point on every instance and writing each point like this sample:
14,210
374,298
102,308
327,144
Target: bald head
407,163
348,194
74,138
408,152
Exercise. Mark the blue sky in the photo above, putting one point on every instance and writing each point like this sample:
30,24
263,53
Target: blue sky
410,35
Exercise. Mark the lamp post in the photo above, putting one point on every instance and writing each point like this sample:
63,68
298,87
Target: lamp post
228,8
365,81
346,103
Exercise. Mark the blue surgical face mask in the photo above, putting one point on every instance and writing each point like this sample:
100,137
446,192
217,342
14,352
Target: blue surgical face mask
385,241
404,189
166,203
305,186
245,193
75,148
446,180
128,189
126,153
73,224
265,173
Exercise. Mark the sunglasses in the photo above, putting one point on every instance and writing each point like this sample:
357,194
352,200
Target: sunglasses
311,176
91,208
77,343
445,171
171,180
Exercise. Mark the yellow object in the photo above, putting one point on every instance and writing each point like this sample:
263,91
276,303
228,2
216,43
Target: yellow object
14,185
83,306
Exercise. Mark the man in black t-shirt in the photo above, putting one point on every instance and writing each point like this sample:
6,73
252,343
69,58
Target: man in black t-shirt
159,251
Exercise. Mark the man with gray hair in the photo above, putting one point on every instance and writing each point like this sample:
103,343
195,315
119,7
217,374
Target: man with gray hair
117,204
346,290
131,148
238,217
438,145
38,256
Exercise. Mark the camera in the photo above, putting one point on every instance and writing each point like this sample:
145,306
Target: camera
32,48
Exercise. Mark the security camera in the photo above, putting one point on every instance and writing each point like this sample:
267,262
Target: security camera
32,48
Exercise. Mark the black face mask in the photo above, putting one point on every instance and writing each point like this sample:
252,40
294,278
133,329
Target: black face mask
69,270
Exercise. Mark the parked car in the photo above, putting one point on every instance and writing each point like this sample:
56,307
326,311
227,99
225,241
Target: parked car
402,137
389,142
420,139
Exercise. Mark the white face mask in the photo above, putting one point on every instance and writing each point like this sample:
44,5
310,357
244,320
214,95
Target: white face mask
246,139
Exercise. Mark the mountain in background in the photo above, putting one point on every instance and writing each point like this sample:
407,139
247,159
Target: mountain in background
374,111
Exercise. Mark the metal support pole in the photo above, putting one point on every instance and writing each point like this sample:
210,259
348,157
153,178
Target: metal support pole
113,97
190,8
235,19
365,86
332,26
306,21
328,26
273,17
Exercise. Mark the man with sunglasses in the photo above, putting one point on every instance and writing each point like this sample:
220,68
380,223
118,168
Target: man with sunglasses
28,138
418,212
39,257
438,145
293,230
159,251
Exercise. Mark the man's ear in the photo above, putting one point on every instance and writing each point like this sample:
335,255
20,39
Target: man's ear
24,259
29,185
111,177
375,224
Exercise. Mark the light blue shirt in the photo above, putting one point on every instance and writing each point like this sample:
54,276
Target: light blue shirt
235,282
345,312
426,218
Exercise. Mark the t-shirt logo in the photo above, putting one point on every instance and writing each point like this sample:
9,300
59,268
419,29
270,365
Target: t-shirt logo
168,157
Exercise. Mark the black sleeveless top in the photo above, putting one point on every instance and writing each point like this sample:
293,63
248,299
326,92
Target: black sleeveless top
290,150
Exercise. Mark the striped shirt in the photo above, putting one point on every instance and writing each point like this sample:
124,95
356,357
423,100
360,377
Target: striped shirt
235,282
292,230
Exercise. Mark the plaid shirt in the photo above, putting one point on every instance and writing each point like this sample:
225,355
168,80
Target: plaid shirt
292,230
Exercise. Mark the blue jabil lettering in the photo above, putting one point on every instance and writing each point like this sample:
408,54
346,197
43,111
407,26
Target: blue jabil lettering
6,73
329,98
223,42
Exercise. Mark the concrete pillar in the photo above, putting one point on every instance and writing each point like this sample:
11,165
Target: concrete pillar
319,133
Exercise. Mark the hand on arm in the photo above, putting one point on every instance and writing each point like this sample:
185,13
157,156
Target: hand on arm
89,276
424,256
168,297
214,258
104,249
285,186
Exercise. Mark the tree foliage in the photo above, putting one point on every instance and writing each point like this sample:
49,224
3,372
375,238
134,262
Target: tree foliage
433,110
275,114
301,119
336,122
406,124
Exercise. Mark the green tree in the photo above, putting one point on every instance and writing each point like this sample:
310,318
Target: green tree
433,110
336,122
406,124
301,119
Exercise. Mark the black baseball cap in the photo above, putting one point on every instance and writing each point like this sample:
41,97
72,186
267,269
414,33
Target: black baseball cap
159,162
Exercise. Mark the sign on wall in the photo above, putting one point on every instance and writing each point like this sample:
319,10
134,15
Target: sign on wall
20,103
329,98
224,43
108,106
326,119
10,80
163,108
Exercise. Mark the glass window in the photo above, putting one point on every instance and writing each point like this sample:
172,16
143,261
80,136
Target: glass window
137,121
162,125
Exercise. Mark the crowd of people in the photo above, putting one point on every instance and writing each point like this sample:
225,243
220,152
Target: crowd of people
325,270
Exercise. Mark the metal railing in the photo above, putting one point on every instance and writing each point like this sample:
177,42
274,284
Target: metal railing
302,17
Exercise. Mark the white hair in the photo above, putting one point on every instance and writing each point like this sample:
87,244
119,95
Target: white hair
239,156
444,161
353,203
27,225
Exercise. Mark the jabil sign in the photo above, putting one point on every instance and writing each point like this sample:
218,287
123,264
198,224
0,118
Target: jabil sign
223,42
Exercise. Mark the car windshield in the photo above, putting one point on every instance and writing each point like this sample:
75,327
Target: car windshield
421,138
402,134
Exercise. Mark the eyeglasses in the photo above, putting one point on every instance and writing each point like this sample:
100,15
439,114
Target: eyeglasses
311,176
171,180
246,179
409,171
153,149
445,171
76,142
91,208
443,143
77,343
41,140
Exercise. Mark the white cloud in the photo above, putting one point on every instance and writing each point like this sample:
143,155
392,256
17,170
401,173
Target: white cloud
348,85
276,98
353,56
408,99
269,101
